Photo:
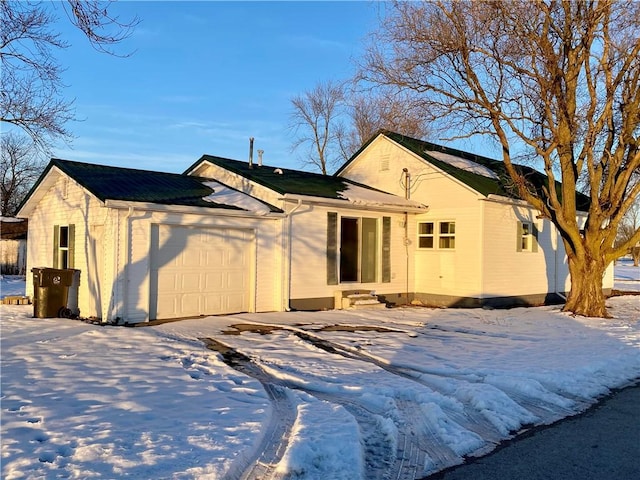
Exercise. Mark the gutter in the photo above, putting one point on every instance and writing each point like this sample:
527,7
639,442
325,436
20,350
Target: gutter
155,207
413,207
286,257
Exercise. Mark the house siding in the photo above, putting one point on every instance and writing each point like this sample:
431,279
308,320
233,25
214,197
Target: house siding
66,203
133,285
434,272
456,272
520,273
309,284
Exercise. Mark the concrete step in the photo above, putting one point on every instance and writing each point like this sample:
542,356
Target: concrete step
361,301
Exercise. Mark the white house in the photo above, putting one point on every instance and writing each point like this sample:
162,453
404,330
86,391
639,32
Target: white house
406,219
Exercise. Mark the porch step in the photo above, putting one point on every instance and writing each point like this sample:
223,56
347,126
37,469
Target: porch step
361,301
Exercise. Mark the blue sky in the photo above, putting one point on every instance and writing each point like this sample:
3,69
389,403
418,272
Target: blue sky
205,76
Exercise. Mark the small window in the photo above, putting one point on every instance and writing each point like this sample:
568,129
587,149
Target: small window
527,237
447,235
425,235
63,242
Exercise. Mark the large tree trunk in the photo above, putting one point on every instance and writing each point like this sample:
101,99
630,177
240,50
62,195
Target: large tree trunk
586,296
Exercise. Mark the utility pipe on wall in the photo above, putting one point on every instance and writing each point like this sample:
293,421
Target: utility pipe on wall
286,257
407,183
406,241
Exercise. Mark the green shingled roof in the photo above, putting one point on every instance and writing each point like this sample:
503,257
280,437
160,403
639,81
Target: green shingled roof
502,185
127,184
284,180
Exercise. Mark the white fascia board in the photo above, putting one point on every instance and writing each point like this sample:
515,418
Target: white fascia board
338,203
521,203
492,197
157,207
43,187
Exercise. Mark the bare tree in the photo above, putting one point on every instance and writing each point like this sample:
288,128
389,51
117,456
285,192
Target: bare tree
372,110
333,121
31,79
628,227
560,79
20,166
317,125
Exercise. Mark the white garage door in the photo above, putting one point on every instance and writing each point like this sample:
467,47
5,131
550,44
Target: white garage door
199,271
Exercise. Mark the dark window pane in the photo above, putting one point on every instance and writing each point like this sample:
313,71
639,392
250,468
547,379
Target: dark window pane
425,242
64,237
425,228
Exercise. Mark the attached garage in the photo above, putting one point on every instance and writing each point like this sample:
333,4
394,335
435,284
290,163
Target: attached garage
152,245
200,271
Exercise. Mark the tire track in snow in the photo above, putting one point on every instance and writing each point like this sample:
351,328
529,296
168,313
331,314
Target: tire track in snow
271,448
420,448
414,448
470,418
379,457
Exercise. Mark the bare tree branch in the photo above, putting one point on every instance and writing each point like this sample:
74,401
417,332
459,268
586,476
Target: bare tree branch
31,96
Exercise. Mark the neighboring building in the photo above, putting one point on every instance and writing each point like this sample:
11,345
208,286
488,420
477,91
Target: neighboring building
408,220
13,246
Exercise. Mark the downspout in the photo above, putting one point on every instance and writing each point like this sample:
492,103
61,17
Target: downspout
407,195
125,266
286,257
406,249
483,254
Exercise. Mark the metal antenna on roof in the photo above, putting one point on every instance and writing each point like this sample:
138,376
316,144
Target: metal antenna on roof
260,152
250,152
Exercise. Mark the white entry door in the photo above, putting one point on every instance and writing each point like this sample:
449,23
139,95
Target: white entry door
199,271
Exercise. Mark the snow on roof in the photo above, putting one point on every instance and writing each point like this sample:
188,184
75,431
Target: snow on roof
463,164
11,219
228,196
365,196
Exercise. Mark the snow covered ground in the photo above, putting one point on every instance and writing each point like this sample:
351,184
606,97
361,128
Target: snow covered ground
626,277
393,393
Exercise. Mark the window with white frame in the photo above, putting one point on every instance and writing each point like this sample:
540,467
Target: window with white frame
527,237
447,235
425,235
63,246
440,234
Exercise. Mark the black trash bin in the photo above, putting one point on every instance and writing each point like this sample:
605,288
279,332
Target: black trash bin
50,291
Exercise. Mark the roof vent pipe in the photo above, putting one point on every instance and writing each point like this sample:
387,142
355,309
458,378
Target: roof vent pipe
250,152
407,183
260,152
